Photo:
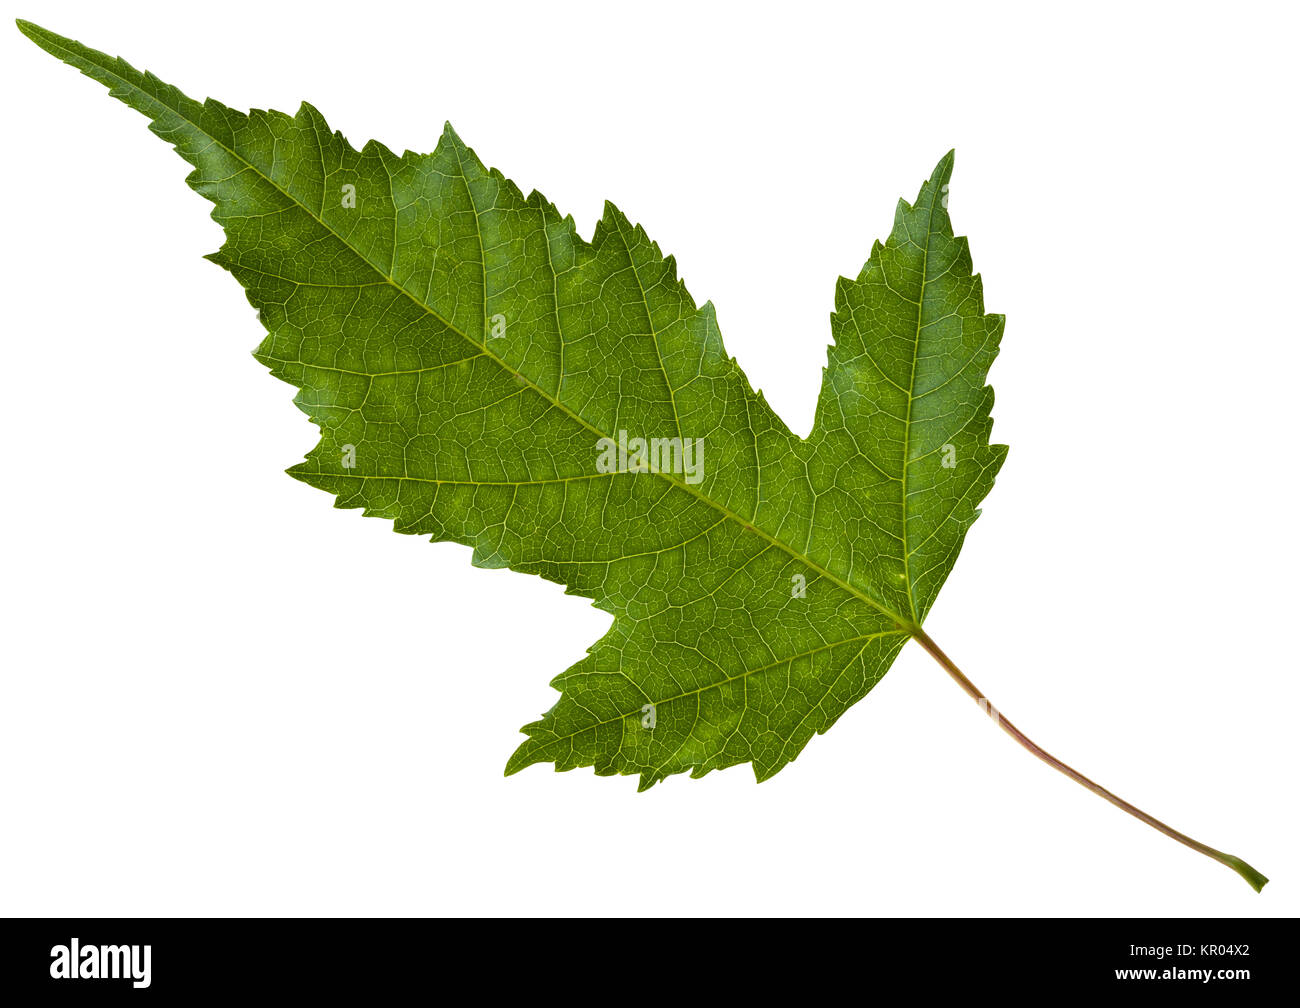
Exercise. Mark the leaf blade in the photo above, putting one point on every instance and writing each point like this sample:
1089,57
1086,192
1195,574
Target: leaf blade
382,312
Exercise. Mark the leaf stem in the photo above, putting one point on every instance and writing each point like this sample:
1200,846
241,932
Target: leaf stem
1252,876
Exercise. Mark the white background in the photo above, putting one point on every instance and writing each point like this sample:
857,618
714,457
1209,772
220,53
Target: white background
222,696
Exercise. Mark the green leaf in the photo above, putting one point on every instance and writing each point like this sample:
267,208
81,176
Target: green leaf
481,374
469,358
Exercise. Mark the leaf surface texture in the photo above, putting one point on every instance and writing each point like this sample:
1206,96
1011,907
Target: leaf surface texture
464,352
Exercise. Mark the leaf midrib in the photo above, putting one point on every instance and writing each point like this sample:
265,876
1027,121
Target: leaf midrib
912,398
864,638
905,625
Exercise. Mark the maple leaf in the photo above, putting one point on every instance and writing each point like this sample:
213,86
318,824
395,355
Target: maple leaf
481,374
